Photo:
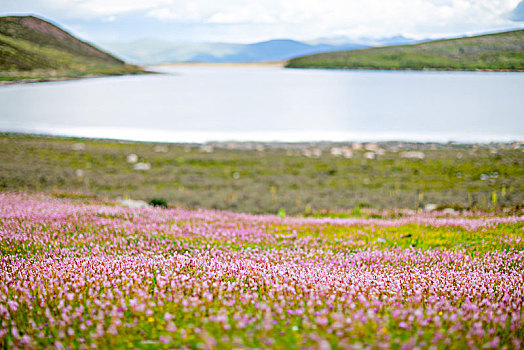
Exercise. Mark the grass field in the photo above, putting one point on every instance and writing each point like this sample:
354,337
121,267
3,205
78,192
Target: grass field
500,51
295,180
84,273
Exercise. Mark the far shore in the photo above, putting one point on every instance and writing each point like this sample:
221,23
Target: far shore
273,64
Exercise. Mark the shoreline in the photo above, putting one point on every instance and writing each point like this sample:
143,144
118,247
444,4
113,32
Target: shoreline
201,138
69,78
275,144
271,64
285,64
409,69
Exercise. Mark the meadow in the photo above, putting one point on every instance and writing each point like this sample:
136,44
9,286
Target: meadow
299,179
88,273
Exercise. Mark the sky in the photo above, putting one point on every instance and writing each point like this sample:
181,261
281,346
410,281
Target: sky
246,21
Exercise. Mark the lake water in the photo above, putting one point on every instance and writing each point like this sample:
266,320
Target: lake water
198,104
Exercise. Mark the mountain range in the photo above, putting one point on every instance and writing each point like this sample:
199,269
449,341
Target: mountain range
150,51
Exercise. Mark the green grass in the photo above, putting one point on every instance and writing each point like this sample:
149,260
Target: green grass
268,181
501,51
501,237
33,49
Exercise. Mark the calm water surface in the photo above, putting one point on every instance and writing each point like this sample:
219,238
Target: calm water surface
196,104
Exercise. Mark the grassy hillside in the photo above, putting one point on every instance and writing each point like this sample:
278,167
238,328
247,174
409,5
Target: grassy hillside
500,51
31,48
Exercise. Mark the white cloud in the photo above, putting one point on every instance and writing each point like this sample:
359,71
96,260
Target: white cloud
242,15
83,8
163,14
350,17
302,19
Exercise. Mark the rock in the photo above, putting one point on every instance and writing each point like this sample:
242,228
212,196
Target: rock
132,158
161,149
430,207
370,155
78,147
356,146
142,166
413,155
341,151
347,153
317,152
336,151
131,203
314,153
371,147
206,148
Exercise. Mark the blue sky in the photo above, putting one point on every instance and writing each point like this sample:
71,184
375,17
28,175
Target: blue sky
257,20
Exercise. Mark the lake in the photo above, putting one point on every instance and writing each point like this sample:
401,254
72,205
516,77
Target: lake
199,103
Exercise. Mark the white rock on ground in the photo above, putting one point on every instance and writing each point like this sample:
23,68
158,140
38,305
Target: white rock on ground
132,158
206,148
161,149
142,166
413,155
78,147
336,151
131,203
371,147
347,153
370,155
430,207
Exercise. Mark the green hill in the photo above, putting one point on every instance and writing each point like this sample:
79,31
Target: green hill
500,51
32,48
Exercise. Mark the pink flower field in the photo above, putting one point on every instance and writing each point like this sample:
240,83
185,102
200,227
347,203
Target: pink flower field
91,274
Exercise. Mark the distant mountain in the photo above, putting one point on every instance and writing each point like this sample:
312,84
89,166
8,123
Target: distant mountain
156,51
499,51
281,50
367,41
391,41
151,51
32,47
517,14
